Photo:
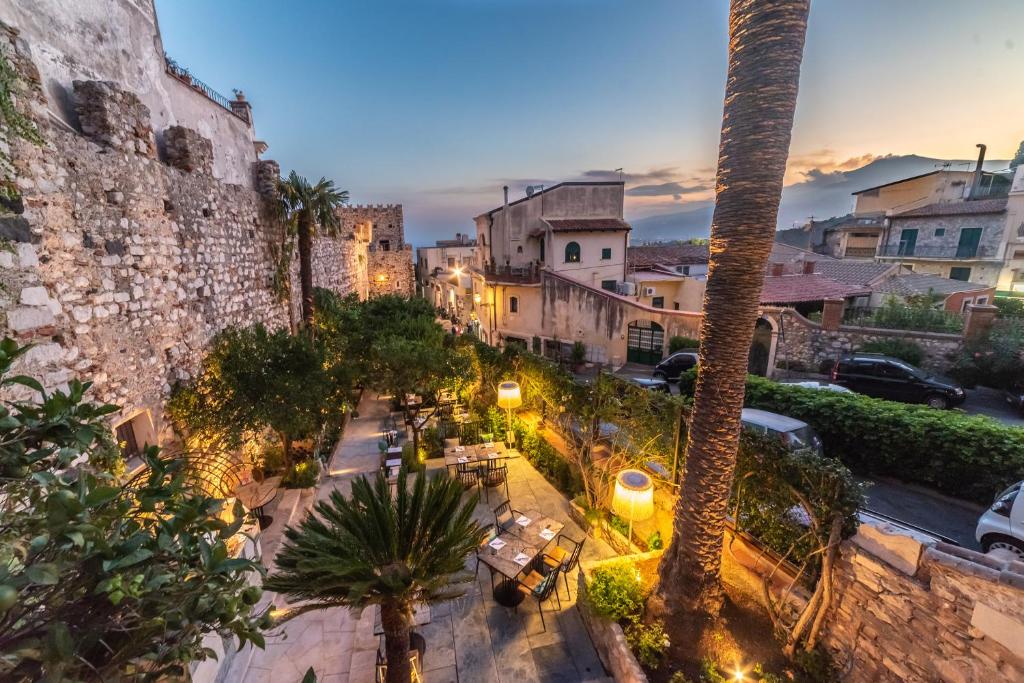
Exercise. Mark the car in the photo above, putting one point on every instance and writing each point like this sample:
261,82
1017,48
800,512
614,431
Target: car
651,384
1001,527
675,365
795,434
894,379
824,386
1015,397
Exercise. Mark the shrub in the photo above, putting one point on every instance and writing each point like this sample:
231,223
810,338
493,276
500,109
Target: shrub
918,313
648,642
678,343
654,541
302,475
579,353
549,462
997,361
897,348
616,593
1010,308
409,459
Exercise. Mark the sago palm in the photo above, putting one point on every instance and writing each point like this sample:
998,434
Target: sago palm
308,209
377,549
766,39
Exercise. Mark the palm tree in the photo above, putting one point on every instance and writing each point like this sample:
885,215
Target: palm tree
372,549
766,39
308,208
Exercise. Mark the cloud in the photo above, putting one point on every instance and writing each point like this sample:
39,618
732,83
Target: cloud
822,166
675,189
654,175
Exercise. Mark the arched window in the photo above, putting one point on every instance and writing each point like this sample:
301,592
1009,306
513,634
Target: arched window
513,304
519,250
572,252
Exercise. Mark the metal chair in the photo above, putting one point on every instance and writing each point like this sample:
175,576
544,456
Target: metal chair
467,473
505,516
539,587
494,473
490,533
566,560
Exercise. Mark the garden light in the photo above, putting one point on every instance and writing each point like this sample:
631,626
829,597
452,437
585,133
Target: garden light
633,499
509,397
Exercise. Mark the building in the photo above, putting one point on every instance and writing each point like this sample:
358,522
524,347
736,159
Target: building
442,269
954,295
389,259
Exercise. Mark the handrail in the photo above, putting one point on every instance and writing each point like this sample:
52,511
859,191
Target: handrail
185,76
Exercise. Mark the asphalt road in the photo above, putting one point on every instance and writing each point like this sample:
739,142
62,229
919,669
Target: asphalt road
985,401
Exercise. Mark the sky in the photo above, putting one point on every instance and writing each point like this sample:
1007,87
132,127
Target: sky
436,104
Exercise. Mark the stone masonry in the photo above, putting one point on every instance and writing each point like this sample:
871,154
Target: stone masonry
389,263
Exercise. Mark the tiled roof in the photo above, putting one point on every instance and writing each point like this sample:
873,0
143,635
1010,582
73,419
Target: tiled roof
791,289
782,253
921,283
667,254
586,224
978,206
851,272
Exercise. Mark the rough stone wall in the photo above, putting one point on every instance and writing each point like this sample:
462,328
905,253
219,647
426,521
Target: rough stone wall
912,611
804,343
389,259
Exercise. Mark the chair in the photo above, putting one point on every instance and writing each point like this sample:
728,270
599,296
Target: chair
382,667
490,533
505,516
494,473
451,443
566,560
539,587
467,473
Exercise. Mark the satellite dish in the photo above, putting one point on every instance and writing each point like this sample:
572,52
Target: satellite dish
530,189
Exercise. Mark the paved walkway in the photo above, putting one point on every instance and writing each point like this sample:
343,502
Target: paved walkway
470,639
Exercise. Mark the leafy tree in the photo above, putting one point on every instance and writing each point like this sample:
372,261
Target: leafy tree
97,582
307,209
1018,158
377,549
765,51
252,380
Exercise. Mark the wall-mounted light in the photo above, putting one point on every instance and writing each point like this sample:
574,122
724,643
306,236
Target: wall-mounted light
382,277
477,298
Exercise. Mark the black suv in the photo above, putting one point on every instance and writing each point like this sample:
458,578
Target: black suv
887,377
672,367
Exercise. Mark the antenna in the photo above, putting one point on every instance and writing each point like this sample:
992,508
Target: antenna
619,171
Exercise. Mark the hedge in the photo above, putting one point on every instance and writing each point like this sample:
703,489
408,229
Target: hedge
967,456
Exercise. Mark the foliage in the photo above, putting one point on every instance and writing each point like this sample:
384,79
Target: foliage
615,592
654,541
917,313
1009,307
546,460
301,475
997,361
98,582
649,642
579,353
252,380
410,461
13,125
620,525
904,349
431,443
678,343
373,548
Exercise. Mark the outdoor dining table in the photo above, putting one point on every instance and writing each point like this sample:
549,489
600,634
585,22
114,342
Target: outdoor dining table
256,494
457,455
534,527
515,549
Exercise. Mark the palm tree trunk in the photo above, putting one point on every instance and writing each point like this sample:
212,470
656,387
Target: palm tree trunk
305,234
395,621
766,39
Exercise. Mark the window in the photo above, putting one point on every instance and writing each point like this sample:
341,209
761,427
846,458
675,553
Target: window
135,434
965,303
519,250
981,300
572,252
513,304
959,273
385,245
451,261
606,254
658,302
675,305
939,232
908,242
608,284
542,249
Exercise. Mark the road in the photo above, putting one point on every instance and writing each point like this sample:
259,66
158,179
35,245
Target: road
985,401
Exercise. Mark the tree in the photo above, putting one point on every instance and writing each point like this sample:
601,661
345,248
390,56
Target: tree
97,582
375,549
766,40
307,209
1018,158
252,380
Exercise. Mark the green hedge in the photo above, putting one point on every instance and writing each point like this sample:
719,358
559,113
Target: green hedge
967,456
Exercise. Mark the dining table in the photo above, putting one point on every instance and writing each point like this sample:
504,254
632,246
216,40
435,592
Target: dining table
457,455
254,495
516,548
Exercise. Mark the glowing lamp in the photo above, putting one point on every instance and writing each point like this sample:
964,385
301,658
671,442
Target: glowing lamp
509,397
633,499
381,277
476,298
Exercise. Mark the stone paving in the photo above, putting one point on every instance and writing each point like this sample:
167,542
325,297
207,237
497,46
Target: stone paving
470,639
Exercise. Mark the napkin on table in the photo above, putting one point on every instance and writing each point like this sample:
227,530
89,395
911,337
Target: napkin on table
497,544
523,520
521,559
547,534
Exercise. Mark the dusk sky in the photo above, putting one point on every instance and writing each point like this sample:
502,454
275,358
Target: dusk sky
437,103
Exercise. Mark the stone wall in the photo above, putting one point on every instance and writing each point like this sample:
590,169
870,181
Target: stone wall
907,609
389,260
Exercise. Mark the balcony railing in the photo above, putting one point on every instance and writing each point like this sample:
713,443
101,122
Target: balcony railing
186,77
953,252
520,275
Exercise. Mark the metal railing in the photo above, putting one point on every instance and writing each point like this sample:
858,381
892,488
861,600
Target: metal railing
952,251
515,274
185,76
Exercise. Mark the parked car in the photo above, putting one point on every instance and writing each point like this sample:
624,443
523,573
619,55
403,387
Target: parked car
672,367
1015,397
1001,527
651,384
824,386
797,435
887,377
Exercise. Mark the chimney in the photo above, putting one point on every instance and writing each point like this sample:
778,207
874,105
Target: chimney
808,267
776,269
976,180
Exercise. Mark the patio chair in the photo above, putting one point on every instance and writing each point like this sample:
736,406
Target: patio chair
505,516
565,558
494,473
467,473
539,587
490,533
451,443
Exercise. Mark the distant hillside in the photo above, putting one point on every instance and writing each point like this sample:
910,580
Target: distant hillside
823,195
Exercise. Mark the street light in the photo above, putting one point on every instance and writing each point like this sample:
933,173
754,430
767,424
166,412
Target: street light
633,499
509,397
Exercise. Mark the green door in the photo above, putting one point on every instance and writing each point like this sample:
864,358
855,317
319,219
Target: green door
645,341
970,238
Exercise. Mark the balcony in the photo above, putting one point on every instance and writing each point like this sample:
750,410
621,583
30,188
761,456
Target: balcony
511,275
944,252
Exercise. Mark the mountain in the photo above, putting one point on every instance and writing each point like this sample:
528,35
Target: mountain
822,195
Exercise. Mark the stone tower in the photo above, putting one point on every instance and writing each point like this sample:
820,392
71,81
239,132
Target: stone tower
389,262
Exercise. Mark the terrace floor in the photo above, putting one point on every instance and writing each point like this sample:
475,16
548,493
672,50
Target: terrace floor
470,639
